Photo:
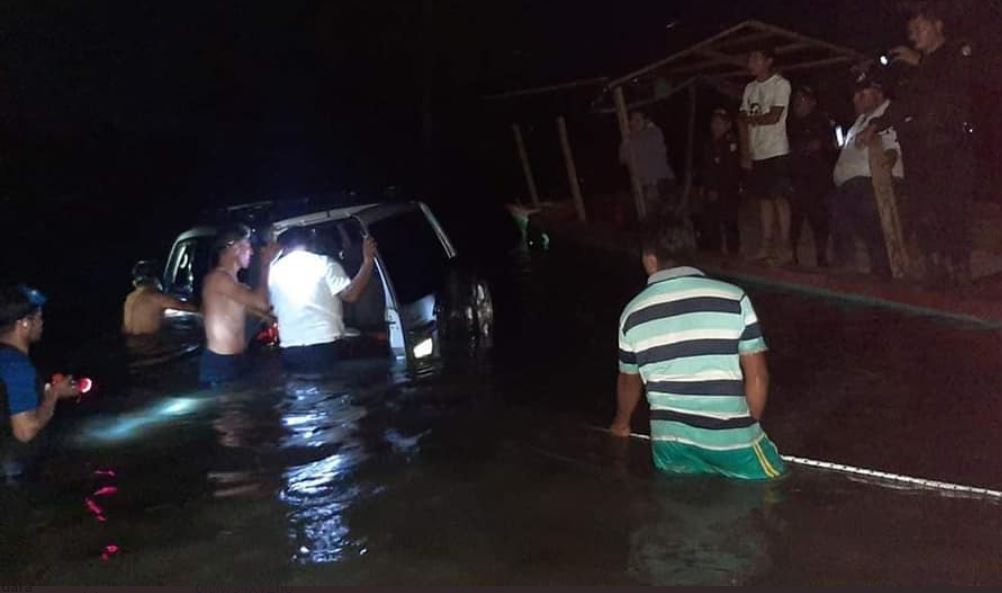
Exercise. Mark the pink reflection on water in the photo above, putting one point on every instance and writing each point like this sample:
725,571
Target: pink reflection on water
110,473
106,491
109,551
95,508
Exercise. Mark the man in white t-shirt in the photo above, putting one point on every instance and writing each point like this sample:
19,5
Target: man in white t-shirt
765,148
307,290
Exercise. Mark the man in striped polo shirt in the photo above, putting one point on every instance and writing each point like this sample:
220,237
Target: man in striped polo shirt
696,346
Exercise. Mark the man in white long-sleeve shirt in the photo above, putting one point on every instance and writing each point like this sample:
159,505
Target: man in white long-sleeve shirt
853,203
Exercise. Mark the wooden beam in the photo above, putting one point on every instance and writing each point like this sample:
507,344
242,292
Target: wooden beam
748,39
547,89
675,56
624,132
781,32
572,171
723,58
523,156
802,66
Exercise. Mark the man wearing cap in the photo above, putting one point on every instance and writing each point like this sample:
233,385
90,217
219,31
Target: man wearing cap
853,204
226,302
933,120
143,312
25,402
812,148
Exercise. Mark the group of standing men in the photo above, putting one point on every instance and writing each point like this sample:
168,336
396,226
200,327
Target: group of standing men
782,151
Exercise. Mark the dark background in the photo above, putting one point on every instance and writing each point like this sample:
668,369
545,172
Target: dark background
119,121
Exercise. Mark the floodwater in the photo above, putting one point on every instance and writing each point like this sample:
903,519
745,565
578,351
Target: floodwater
484,468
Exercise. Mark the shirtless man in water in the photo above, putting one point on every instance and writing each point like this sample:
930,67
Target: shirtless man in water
226,302
143,313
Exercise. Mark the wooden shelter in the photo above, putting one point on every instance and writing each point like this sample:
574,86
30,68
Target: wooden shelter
719,62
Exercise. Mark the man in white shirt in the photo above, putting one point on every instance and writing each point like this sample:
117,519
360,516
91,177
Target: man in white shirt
307,290
853,203
765,148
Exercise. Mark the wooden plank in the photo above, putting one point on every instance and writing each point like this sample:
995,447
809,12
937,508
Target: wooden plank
624,131
523,156
881,163
572,170
781,32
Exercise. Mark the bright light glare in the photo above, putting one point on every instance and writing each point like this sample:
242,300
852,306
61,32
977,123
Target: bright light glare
840,136
424,348
297,276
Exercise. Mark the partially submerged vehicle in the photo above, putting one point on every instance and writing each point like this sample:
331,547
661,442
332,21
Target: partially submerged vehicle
421,297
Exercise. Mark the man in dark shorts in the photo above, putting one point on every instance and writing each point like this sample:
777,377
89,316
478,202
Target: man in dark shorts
765,150
226,302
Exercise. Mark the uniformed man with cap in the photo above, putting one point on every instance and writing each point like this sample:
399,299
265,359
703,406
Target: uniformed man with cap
932,116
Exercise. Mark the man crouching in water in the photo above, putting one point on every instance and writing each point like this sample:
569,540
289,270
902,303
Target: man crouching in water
226,302
143,313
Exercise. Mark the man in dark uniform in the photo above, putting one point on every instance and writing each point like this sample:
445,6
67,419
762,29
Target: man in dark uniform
932,119
721,176
812,144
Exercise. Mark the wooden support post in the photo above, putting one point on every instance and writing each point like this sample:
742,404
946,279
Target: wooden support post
690,148
572,170
523,156
624,131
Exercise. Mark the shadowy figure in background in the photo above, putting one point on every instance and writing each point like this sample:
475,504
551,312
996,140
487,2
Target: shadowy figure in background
812,147
143,312
720,194
645,152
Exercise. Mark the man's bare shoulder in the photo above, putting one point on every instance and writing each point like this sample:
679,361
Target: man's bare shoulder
218,279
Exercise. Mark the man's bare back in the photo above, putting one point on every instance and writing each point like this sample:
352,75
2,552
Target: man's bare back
144,308
225,316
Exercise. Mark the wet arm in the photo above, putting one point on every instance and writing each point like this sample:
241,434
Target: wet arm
27,425
629,389
756,373
354,290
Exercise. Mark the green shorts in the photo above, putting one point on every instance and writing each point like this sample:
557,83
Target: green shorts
760,461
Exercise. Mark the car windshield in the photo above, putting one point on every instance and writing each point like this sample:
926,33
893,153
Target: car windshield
413,254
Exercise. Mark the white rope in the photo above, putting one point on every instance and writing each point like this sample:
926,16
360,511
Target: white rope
869,473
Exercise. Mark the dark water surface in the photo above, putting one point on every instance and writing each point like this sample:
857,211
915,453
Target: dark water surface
482,469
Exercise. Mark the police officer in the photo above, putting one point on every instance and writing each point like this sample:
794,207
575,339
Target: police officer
932,118
720,193
812,146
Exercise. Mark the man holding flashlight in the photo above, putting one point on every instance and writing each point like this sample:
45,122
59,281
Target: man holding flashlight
27,404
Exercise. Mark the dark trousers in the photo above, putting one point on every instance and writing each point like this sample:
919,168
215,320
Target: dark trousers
853,207
717,224
315,359
808,205
940,182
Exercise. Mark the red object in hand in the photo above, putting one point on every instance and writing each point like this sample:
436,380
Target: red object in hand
85,384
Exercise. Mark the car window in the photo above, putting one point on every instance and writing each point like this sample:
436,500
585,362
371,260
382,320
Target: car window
189,264
414,257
